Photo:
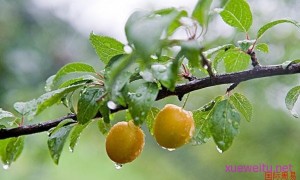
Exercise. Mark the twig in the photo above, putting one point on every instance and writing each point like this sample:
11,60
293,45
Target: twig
181,89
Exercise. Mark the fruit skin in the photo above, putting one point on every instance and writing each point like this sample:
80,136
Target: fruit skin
173,127
124,142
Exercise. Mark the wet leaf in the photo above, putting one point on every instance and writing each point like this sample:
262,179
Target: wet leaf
236,60
201,12
151,117
291,98
5,114
88,104
242,104
106,47
10,149
224,124
56,142
103,127
140,102
263,47
75,134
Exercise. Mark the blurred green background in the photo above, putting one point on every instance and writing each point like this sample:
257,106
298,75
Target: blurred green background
35,41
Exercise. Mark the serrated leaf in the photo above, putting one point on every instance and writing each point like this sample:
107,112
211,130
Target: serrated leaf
79,80
26,108
151,117
237,13
5,114
50,98
236,60
103,127
202,117
106,47
269,25
75,134
242,104
224,124
291,98
201,12
75,67
56,142
88,104
140,102
141,23
263,47
10,149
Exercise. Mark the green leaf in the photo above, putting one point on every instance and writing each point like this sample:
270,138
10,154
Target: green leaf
237,13
10,149
75,67
88,104
56,142
263,47
26,108
105,112
269,25
191,50
5,114
245,44
152,25
106,47
151,117
212,51
224,124
236,60
242,104
60,125
291,99
79,80
103,127
141,101
50,98
202,117
75,134
116,77
201,12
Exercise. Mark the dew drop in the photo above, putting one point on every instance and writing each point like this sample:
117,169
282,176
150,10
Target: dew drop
170,149
5,166
71,150
205,67
127,49
138,95
143,113
111,105
219,150
154,57
118,166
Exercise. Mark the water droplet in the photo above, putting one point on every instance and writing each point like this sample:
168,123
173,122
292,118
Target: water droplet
111,105
127,49
143,113
6,166
154,57
71,150
147,76
170,149
118,166
219,150
138,95
205,67
236,125
159,68
136,118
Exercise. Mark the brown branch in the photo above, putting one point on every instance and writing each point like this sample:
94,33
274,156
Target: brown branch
180,90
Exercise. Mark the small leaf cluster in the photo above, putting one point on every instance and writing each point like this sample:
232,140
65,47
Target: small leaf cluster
153,59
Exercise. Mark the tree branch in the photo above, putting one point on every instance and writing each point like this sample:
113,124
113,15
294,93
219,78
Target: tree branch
180,90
